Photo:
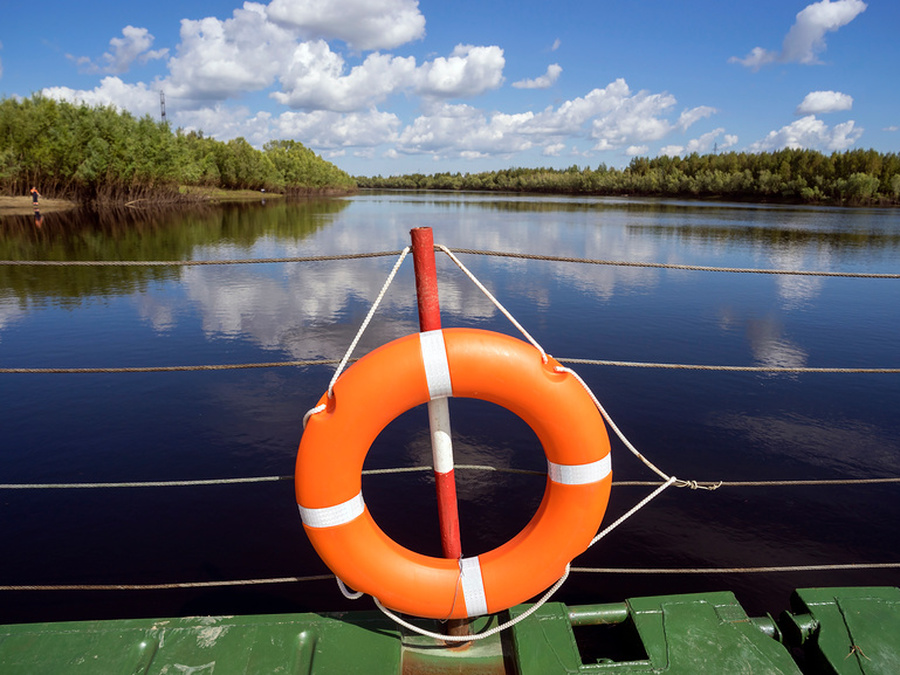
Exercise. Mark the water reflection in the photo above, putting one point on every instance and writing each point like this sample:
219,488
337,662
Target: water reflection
129,234
770,348
830,447
10,312
244,423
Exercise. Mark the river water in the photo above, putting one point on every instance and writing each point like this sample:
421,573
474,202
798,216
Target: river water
196,425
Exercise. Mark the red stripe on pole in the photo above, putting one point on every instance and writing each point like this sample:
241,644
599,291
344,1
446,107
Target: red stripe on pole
430,319
426,279
448,514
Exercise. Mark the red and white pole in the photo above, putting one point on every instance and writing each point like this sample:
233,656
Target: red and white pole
438,409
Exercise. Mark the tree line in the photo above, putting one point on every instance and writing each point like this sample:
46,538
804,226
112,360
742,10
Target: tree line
99,153
853,177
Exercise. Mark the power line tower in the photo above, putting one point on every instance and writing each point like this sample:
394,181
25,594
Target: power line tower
162,105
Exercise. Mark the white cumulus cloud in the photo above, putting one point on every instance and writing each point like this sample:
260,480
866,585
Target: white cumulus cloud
296,53
545,81
139,99
704,144
320,129
467,72
362,24
818,102
806,38
315,78
554,150
134,45
456,129
613,117
638,118
323,129
810,132
220,59
689,117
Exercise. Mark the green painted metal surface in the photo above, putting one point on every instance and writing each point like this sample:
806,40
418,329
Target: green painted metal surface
841,631
304,643
847,631
682,634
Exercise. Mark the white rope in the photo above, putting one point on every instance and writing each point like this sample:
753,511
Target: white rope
494,300
311,412
544,598
703,485
365,323
480,636
144,484
669,480
359,333
650,465
634,509
346,592
769,569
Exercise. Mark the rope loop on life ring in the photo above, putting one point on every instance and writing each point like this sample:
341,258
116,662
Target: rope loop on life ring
411,371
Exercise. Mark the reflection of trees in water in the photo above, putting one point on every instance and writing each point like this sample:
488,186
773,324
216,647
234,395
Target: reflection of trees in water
144,234
781,236
692,221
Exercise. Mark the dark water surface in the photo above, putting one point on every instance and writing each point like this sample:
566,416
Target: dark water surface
94,428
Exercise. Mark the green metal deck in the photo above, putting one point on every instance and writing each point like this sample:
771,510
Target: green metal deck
838,631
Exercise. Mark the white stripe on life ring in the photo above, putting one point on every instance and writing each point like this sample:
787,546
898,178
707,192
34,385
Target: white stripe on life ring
437,369
473,586
579,474
331,516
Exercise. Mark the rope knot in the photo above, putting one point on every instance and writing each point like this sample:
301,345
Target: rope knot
697,485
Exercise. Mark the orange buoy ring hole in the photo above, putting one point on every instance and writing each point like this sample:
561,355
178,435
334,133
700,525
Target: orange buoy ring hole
411,371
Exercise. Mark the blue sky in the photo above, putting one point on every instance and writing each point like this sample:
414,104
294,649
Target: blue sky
398,86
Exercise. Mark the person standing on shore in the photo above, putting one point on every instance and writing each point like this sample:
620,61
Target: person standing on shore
35,196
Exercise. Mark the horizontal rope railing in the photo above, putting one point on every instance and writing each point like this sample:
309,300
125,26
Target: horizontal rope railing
672,266
727,369
331,362
193,263
166,586
498,254
768,569
143,484
460,467
170,369
281,580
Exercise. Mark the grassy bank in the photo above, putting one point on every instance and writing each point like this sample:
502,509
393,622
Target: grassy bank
22,206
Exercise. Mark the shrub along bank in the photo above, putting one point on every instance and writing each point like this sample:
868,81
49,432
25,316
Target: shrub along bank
854,177
103,154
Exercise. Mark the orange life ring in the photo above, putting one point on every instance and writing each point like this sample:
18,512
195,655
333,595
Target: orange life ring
408,372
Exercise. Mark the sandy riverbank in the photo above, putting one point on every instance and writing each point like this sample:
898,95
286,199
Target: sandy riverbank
22,206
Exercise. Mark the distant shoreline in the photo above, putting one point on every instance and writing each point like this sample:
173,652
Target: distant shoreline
21,205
